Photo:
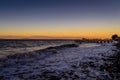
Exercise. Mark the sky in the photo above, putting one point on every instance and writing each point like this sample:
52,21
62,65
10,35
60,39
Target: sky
73,19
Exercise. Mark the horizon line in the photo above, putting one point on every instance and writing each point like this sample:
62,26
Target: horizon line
49,37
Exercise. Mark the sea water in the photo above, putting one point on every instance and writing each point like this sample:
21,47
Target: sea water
20,46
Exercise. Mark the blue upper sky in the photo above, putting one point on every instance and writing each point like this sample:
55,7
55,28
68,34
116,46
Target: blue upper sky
58,8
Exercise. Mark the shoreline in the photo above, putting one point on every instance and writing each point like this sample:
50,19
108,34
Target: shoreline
60,63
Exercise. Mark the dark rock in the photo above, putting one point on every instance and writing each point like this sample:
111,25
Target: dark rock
74,66
76,77
2,78
54,77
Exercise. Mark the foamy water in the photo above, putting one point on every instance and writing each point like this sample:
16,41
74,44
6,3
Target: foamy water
89,45
83,61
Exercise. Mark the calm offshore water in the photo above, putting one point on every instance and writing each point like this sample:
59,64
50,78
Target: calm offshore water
20,46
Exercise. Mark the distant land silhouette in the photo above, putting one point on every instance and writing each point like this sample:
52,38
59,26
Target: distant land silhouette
37,37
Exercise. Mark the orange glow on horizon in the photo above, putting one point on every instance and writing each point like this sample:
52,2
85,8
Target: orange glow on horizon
71,36
65,32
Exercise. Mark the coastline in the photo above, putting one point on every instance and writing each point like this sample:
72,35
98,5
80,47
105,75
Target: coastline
60,63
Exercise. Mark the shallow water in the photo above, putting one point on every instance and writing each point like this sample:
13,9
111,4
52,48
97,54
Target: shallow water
89,45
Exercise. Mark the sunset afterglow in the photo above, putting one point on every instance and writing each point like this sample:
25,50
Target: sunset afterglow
59,19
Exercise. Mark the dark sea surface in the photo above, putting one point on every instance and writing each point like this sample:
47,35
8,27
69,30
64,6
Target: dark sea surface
20,46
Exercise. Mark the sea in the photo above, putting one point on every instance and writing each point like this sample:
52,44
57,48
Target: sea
20,46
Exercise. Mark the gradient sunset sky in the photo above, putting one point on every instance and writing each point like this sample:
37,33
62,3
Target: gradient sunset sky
59,18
